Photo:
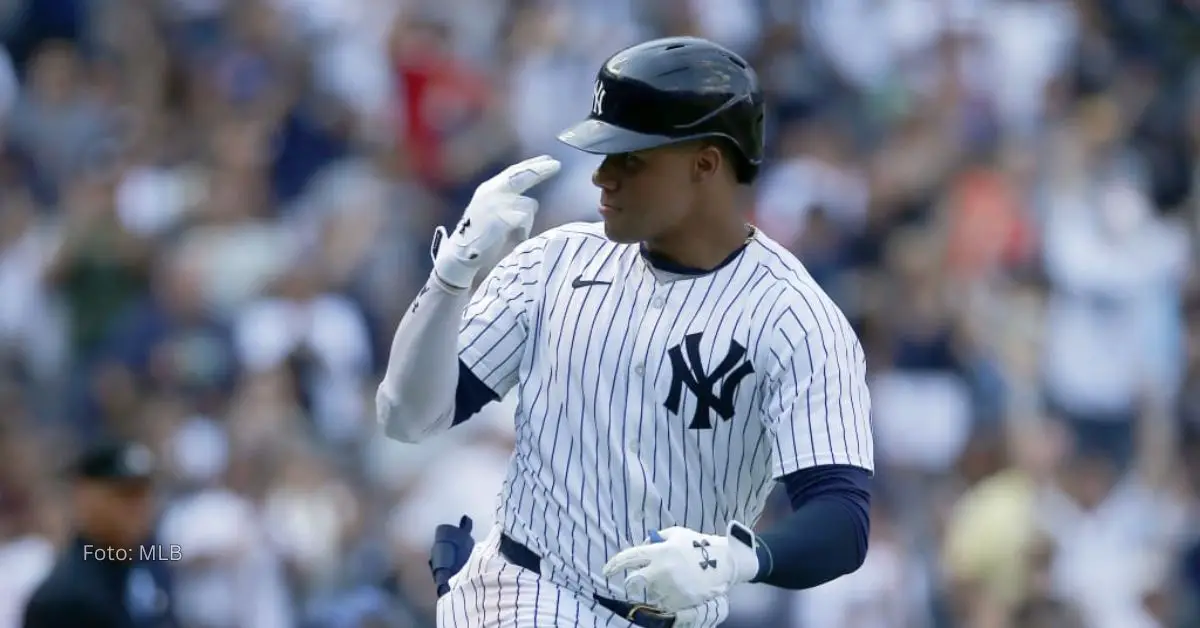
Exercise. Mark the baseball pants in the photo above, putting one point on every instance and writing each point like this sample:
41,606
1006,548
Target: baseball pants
490,592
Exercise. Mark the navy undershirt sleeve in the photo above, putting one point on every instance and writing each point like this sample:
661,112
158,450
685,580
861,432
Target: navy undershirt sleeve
825,535
471,395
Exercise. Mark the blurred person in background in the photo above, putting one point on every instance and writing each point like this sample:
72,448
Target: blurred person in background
33,334
1109,533
104,577
447,121
31,520
169,341
230,574
890,593
57,122
309,512
815,199
320,337
1001,508
1114,329
99,269
99,266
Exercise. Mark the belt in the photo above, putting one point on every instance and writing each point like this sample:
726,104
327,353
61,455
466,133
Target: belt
638,614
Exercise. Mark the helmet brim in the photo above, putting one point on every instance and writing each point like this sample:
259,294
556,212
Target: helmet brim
602,138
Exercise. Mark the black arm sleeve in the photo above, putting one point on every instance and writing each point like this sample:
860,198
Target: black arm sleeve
825,536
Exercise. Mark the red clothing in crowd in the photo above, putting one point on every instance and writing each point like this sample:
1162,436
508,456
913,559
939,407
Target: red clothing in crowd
438,94
988,225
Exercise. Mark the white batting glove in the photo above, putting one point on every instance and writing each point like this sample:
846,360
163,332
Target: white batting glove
679,568
495,221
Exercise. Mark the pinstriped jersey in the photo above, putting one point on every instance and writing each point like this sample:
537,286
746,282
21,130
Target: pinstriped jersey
647,399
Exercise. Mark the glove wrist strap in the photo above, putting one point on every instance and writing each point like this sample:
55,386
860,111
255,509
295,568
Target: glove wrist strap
743,548
449,273
450,285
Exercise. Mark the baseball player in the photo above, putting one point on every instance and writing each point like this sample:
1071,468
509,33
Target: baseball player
671,364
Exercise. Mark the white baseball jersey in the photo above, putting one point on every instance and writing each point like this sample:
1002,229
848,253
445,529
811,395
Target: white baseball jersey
648,399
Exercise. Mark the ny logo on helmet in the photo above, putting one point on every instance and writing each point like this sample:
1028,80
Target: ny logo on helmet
598,99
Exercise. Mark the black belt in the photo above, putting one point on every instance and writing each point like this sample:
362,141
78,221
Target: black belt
638,614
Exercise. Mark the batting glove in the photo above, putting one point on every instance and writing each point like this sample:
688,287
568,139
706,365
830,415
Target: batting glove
680,568
497,219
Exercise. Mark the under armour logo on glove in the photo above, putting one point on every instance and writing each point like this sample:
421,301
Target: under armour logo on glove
708,560
665,568
498,217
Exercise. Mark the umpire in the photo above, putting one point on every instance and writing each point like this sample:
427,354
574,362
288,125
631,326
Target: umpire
111,575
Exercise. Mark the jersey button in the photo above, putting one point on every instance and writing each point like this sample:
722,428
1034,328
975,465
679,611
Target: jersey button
639,369
657,304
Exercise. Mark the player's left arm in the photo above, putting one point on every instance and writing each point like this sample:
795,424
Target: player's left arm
816,407
825,535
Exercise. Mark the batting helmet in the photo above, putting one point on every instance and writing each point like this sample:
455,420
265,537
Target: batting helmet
673,90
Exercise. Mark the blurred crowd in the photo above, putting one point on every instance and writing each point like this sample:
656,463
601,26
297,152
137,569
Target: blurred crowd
213,212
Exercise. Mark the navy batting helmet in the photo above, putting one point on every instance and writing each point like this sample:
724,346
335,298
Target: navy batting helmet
673,90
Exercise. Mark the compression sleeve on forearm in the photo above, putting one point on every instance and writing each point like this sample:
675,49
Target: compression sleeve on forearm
417,395
825,536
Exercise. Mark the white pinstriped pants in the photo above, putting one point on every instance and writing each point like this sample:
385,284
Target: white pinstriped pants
490,592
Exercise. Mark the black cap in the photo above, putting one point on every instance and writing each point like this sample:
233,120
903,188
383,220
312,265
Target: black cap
119,460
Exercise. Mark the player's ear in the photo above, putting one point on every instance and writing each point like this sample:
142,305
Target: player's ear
706,163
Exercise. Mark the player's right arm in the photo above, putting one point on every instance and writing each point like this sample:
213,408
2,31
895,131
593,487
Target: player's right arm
425,376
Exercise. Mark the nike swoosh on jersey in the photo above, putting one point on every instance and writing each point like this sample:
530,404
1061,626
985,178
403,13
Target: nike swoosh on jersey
580,282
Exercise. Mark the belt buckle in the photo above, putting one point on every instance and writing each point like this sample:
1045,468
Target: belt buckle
634,609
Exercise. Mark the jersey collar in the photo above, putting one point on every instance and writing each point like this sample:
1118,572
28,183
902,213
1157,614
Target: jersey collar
659,262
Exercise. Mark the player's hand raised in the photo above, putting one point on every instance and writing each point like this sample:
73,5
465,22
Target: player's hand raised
498,217
679,568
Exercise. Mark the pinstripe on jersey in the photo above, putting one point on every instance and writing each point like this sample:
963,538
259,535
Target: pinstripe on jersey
585,329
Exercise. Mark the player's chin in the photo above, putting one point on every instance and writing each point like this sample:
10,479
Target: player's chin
620,231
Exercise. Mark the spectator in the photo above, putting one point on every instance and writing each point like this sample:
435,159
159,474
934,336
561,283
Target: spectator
56,123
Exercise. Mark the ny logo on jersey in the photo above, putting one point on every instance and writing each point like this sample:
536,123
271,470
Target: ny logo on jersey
598,99
690,372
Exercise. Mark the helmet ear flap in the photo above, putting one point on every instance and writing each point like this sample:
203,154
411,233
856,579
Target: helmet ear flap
745,171
746,151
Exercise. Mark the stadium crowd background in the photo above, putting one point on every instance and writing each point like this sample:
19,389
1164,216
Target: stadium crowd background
213,212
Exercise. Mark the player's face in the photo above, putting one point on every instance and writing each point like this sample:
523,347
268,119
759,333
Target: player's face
646,194
120,512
